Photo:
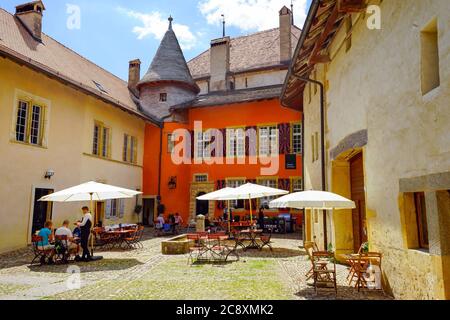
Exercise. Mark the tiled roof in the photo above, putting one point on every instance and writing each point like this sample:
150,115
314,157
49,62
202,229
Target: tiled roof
233,97
264,47
169,63
60,62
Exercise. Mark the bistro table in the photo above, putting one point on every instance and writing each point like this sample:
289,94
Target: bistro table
118,236
251,235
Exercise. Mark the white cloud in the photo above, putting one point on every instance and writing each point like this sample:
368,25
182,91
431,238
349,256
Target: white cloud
155,25
249,15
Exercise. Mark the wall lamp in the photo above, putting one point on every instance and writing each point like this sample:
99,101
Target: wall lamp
49,174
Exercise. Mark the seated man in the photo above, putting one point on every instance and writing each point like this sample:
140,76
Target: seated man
47,235
71,245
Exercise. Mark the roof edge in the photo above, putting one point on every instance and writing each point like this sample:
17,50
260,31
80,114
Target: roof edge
34,65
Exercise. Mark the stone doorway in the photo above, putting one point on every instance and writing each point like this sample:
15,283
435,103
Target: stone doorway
199,189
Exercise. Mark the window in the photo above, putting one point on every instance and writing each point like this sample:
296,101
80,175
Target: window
129,149
163,97
99,87
296,185
234,183
296,138
114,208
170,143
421,218
268,140
236,142
101,145
203,145
271,183
430,57
29,123
199,178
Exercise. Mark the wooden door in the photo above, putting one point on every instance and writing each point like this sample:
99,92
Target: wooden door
358,195
42,210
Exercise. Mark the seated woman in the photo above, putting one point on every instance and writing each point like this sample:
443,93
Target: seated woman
47,235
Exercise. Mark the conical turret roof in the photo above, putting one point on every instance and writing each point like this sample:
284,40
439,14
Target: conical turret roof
169,63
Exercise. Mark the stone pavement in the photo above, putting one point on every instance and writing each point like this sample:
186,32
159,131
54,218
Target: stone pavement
147,274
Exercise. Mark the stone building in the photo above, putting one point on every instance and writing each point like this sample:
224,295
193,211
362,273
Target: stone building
385,132
231,88
63,121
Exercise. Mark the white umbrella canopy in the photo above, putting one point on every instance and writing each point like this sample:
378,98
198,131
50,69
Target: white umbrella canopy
222,194
90,191
250,191
313,200
255,191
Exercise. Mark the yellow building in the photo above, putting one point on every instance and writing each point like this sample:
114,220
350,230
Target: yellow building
63,121
385,68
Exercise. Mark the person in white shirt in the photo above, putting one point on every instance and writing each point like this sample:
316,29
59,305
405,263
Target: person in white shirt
160,222
85,226
65,231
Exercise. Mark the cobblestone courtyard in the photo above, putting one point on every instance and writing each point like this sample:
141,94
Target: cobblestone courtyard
147,274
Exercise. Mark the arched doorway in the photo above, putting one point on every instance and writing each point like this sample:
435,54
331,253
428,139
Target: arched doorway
201,207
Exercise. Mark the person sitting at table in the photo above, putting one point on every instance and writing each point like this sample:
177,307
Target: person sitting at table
70,244
47,235
178,220
225,214
172,223
160,222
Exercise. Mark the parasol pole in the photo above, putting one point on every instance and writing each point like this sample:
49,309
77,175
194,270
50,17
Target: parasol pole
251,215
92,226
229,218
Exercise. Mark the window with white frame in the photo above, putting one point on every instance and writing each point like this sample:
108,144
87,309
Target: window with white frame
129,148
200,178
297,138
101,145
29,123
271,183
203,144
234,183
114,208
170,143
268,140
236,142
296,185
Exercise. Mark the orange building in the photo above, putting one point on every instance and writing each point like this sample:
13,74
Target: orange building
233,127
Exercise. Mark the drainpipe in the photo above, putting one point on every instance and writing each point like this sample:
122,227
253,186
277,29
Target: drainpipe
161,128
322,141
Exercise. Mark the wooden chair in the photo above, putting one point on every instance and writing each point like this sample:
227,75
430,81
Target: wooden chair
133,240
197,250
351,273
265,241
39,250
311,249
361,266
324,273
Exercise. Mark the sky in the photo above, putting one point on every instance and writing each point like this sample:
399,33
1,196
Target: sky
112,32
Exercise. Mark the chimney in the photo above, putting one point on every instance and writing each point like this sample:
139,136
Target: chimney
134,74
219,64
30,14
286,20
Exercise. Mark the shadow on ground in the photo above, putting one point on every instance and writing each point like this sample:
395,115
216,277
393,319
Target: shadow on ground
94,266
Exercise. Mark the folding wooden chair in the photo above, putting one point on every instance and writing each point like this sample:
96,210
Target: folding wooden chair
39,250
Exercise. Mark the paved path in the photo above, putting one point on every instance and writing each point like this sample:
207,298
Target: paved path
147,274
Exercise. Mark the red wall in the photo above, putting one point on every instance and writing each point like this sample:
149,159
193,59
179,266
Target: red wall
245,114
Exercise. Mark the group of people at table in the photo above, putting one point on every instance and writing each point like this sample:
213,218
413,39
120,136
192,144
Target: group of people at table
79,236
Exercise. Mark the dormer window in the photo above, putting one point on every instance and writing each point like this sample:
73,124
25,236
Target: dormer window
99,86
163,97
